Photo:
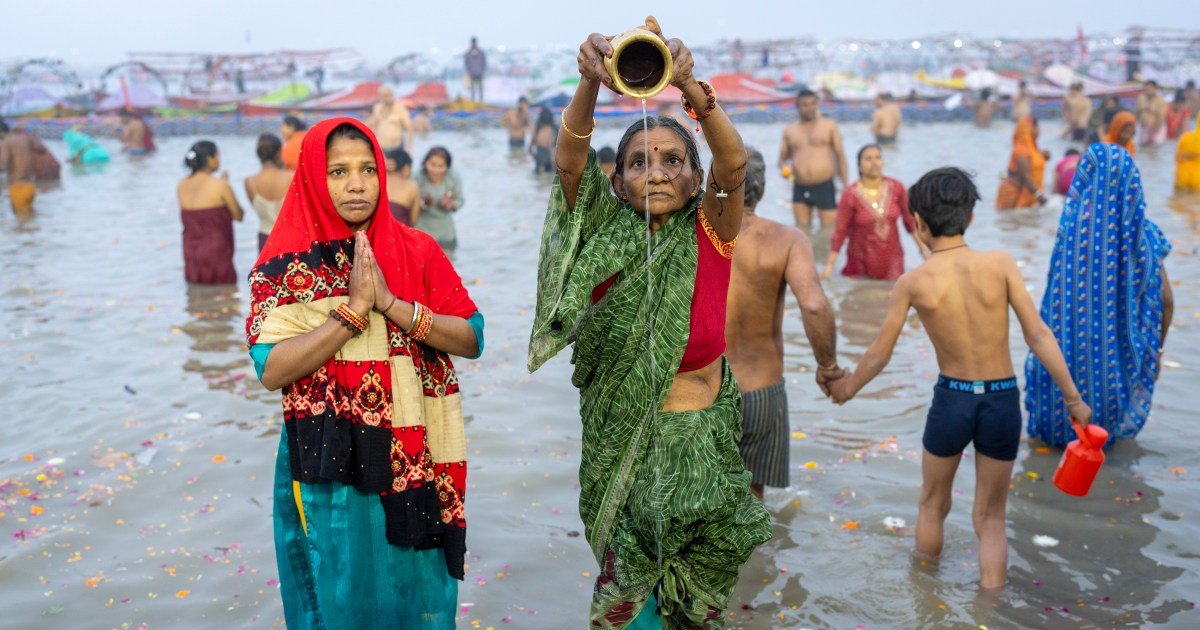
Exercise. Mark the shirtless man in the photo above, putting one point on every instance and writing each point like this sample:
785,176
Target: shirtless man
421,124
1151,114
769,258
963,297
390,121
133,133
885,122
812,146
16,160
1077,113
985,109
517,122
1022,104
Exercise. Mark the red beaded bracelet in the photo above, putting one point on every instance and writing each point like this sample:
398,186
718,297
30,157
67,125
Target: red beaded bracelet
710,92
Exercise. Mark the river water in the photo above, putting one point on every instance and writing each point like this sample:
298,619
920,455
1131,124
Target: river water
136,464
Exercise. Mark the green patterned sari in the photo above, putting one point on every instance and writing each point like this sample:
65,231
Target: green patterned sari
665,497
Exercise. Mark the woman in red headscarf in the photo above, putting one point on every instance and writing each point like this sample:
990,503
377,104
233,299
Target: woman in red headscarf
1121,131
1022,186
354,315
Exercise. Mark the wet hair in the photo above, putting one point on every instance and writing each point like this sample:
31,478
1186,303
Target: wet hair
1022,84
858,160
1190,84
350,132
1152,83
125,113
438,151
544,119
1180,96
1070,152
606,155
985,93
400,157
269,148
3,127
756,178
522,100
886,96
944,198
294,123
805,93
655,122
197,157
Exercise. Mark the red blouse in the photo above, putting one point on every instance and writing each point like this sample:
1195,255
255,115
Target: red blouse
714,262
874,250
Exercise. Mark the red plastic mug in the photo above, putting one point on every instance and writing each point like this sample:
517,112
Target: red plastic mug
1081,461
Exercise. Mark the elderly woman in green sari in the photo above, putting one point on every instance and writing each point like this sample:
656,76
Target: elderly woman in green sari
634,271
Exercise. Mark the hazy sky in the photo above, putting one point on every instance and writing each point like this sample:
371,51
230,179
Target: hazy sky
91,33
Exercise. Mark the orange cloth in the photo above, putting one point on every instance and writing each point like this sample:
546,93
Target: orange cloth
21,195
1114,129
291,150
1011,195
1187,169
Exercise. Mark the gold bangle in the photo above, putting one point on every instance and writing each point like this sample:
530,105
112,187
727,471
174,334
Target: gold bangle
572,133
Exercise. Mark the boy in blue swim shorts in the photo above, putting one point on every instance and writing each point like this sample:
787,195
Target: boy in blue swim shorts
962,297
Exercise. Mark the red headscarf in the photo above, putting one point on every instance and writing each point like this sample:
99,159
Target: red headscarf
384,413
1114,130
412,262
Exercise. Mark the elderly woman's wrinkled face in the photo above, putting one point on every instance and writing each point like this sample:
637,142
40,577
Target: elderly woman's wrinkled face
351,175
661,174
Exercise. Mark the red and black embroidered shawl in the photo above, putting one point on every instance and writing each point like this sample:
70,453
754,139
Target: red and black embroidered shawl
384,414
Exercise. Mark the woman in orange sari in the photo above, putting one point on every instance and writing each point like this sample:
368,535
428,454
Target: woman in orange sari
1121,131
1022,187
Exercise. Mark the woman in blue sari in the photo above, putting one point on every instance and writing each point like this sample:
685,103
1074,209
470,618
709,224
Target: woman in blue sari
1108,301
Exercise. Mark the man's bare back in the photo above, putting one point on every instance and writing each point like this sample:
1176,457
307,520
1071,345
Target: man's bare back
885,122
770,257
16,157
133,136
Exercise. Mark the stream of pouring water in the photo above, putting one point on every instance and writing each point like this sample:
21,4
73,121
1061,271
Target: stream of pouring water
658,533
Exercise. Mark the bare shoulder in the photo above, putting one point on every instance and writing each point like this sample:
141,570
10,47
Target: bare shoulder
829,124
999,260
778,233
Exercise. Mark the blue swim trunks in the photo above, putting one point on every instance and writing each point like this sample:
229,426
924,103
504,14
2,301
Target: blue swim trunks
987,413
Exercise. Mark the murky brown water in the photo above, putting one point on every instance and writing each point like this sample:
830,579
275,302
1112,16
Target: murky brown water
135,471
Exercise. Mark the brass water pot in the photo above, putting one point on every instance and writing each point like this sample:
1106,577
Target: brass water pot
640,65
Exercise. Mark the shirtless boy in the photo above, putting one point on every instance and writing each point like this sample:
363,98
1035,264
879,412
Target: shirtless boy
885,122
812,146
962,297
769,259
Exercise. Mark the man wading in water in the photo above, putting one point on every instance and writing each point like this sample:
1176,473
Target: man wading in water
771,257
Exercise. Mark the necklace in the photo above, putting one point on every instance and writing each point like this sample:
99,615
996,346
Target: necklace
935,251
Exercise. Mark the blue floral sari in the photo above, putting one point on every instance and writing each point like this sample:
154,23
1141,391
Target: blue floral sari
1103,301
